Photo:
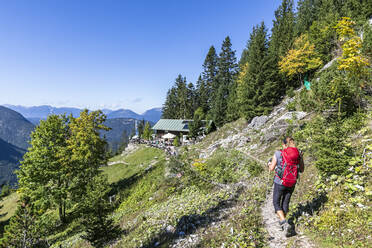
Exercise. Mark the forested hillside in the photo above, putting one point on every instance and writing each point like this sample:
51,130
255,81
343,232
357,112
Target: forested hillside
15,133
309,78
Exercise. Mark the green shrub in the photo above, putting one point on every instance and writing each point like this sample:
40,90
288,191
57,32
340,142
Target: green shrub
291,106
306,100
290,92
367,40
255,169
331,89
176,141
327,140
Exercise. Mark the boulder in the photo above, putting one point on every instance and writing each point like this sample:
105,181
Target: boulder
258,121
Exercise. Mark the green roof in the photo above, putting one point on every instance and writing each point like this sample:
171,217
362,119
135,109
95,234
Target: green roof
172,125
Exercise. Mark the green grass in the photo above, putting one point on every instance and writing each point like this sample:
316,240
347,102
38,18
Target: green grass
134,163
9,205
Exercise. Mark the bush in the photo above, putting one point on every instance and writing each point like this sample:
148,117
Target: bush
176,141
327,140
332,89
255,169
291,106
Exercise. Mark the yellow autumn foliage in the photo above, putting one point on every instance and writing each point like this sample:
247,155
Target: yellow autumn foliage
352,59
301,58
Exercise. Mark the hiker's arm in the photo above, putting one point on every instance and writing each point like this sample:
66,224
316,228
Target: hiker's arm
302,165
273,163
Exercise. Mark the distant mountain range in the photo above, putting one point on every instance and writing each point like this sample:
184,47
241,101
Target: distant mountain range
14,128
36,113
15,133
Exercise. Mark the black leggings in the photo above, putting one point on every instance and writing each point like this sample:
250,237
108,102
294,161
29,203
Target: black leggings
282,196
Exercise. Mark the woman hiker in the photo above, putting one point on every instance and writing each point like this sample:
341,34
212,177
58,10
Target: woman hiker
286,163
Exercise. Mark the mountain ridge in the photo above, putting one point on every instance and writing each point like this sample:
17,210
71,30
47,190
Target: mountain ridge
36,113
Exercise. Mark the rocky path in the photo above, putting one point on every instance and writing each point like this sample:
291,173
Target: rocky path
277,237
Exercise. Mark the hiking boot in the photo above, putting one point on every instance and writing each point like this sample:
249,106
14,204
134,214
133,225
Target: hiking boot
282,224
287,228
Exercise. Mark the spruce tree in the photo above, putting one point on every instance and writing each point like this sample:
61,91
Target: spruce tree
202,97
141,127
255,92
283,30
95,209
181,100
306,15
227,71
170,107
25,228
192,102
147,132
182,97
209,75
232,113
196,125
282,36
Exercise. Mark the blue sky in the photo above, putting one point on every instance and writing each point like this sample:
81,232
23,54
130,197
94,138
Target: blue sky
114,53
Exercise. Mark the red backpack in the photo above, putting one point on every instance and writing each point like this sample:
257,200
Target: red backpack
290,164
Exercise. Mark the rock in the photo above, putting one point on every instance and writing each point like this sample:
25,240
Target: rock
258,121
170,229
328,64
273,134
299,115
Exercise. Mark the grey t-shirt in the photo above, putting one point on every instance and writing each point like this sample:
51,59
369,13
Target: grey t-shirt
278,156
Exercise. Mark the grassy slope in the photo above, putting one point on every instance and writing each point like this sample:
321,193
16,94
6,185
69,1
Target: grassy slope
221,199
8,208
228,214
127,166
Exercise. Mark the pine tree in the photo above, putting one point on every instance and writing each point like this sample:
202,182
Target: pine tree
95,209
227,71
44,173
